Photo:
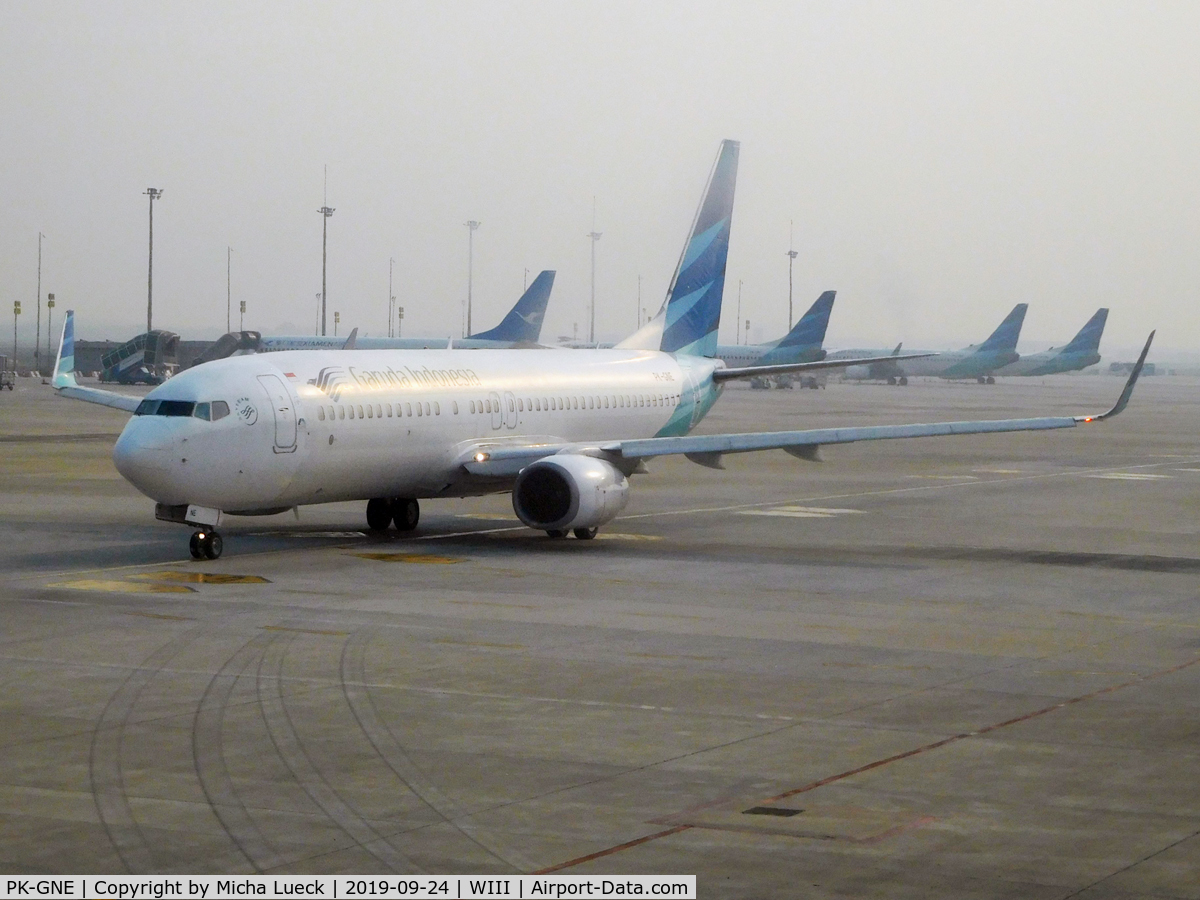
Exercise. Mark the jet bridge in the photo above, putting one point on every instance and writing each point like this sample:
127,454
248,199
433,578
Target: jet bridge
149,358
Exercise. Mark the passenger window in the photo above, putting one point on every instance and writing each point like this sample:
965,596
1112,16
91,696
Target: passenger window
437,410
606,403
472,407
408,409
426,409
321,413
378,411
220,409
351,408
418,409
511,408
370,411
454,403
520,405
389,409
203,411
489,405
341,412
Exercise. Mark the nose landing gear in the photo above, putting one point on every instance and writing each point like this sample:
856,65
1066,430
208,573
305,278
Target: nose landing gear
206,544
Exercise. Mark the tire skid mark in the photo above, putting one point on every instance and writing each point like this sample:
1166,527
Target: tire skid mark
389,749
208,753
288,744
104,758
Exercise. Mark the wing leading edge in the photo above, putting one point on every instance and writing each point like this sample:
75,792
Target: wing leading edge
64,374
494,461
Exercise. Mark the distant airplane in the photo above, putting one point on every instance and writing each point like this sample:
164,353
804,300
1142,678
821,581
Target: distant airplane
1081,352
801,344
978,361
561,430
521,327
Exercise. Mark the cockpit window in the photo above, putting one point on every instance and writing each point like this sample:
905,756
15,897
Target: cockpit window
217,409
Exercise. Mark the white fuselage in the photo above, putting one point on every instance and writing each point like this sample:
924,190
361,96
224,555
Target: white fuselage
321,426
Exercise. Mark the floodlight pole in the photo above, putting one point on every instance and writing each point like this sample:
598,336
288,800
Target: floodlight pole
49,324
639,302
471,226
595,236
153,194
16,312
37,340
391,298
792,254
228,289
241,315
317,327
739,314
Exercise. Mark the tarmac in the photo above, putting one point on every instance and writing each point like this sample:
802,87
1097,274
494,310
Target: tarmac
960,667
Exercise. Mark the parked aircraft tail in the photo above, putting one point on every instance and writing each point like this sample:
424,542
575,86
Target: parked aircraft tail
524,321
1089,335
1005,336
810,330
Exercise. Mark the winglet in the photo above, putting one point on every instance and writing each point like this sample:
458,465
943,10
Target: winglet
1119,406
64,365
351,341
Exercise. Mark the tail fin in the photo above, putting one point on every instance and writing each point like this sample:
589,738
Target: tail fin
810,330
1089,335
693,308
1005,337
524,321
64,366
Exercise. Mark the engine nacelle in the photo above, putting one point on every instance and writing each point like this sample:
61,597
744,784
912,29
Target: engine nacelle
569,491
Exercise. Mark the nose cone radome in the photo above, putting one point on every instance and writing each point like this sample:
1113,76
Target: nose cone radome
143,455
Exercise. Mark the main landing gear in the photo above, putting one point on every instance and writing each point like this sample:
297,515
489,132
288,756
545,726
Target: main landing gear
581,534
206,544
988,380
382,511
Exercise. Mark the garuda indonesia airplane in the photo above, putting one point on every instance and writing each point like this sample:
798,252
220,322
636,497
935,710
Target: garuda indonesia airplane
801,344
522,325
560,429
1081,352
978,361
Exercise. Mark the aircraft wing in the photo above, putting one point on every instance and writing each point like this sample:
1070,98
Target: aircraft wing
64,374
502,460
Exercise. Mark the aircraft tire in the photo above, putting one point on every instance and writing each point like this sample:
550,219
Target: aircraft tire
991,380
379,514
557,533
585,534
212,546
903,382
891,379
194,546
406,513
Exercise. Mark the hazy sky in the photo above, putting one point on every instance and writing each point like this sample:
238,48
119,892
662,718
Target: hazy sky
941,162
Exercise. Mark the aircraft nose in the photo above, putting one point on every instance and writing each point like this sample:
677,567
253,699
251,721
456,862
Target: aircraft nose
143,458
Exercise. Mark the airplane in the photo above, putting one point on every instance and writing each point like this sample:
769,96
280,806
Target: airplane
561,430
801,344
978,361
1081,352
521,327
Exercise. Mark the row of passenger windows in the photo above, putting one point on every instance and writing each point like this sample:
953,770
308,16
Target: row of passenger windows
208,411
477,407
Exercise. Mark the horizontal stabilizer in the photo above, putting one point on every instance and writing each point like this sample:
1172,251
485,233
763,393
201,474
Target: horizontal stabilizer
785,368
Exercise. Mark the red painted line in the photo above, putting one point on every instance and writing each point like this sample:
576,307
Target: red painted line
612,850
841,776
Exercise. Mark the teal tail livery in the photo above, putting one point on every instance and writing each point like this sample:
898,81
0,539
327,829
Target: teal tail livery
1081,352
1004,338
523,324
561,431
64,374
802,344
687,323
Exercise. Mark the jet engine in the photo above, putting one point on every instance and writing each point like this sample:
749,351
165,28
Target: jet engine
569,491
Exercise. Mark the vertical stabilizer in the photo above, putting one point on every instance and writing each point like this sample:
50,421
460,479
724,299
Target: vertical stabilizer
1004,338
523,324
64,366
1088,339
693,308
810,330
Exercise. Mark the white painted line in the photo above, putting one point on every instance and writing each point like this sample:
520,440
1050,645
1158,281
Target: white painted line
801,512
1129,476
